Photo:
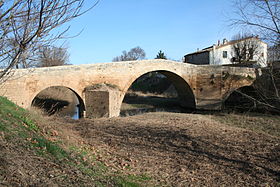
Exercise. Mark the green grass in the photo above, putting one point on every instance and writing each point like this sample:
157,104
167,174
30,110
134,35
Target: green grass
19,127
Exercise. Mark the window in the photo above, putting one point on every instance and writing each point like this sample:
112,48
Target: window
224,54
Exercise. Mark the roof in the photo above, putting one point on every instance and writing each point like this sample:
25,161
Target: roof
208,49
201,51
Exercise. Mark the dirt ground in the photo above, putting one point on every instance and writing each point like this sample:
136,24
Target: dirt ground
180,149
21,167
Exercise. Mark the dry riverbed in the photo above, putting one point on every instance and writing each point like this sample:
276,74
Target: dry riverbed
182,149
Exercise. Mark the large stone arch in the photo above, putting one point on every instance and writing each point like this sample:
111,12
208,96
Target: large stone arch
185,93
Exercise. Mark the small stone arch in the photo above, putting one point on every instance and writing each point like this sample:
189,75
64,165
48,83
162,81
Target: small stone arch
36,101
239,98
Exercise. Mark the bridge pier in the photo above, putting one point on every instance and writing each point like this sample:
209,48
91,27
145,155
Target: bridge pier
102,101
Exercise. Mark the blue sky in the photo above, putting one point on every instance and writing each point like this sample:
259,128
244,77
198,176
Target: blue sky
176,27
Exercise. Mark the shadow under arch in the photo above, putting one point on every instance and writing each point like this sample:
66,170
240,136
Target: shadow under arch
241,99
60,99
185,94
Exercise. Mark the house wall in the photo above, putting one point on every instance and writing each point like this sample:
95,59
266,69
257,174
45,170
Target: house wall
262,60
199,59
216,55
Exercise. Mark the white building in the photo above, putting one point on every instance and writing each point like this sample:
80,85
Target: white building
250,51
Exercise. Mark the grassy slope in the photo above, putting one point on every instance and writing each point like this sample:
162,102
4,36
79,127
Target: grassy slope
28,156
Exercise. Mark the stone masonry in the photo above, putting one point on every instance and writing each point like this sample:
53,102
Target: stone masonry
102,87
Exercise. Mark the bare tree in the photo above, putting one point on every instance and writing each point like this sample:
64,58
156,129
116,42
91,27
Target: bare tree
27,25
245,48
263,17
136,53
260,16
52,56
273,54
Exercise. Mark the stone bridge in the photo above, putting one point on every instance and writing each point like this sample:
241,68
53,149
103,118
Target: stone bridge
101,87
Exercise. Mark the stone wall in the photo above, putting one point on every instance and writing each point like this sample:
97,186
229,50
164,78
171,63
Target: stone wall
216,83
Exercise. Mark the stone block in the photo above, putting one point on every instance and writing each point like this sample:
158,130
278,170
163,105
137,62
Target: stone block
101,101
